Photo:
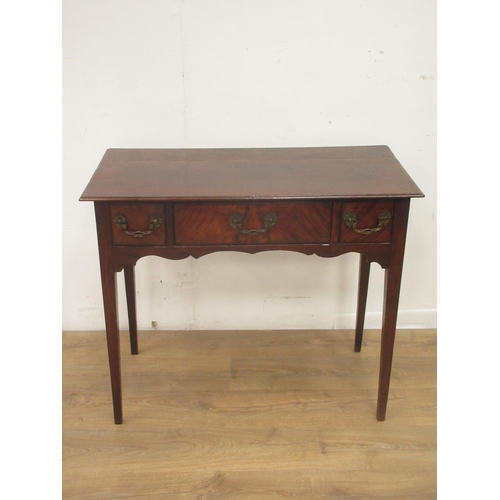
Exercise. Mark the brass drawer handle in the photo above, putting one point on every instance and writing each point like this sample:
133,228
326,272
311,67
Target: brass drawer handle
154,222
383,219
236,222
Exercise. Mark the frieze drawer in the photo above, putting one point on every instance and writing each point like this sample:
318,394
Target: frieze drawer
252,223
138,223
366,222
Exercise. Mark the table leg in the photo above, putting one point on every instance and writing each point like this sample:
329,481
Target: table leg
108,278
392,286
108,281
129,273
364,275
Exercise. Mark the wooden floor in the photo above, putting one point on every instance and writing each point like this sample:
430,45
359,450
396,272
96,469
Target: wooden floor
250,415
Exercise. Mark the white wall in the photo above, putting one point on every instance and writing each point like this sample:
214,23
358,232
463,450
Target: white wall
248,73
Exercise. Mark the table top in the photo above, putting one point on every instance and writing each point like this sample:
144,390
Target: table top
249,174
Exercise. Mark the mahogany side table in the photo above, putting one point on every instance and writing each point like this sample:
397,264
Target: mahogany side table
176,203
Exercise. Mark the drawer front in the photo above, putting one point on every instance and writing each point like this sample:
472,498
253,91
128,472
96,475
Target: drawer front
253,223
366,222
138,223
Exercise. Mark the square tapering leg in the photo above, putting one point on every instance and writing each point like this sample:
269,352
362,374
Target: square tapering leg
129,273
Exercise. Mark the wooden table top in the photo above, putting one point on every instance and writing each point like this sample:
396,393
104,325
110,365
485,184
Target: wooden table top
249,174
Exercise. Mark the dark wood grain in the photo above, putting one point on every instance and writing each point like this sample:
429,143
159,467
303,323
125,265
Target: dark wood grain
297,222
391,300
228,174
129,274
137,215
367,213
108,280
363,279
308,190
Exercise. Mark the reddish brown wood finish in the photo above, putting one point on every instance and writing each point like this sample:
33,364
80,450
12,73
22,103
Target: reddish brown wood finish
209,224
108,279
137,216
309,189
125,257
129,273
367,213
391,300
250,174
363,278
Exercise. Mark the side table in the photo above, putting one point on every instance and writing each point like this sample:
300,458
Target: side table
176,203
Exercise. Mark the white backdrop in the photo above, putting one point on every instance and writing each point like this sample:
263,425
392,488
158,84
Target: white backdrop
259,73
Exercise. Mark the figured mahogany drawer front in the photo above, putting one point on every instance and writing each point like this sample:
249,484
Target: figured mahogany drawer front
138,223
253,223
366,222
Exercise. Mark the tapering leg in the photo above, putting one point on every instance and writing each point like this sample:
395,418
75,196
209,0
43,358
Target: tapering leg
129,272
108,281
392,286
364,275
108,278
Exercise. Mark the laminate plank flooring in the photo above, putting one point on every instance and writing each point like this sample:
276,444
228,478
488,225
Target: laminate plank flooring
249,415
